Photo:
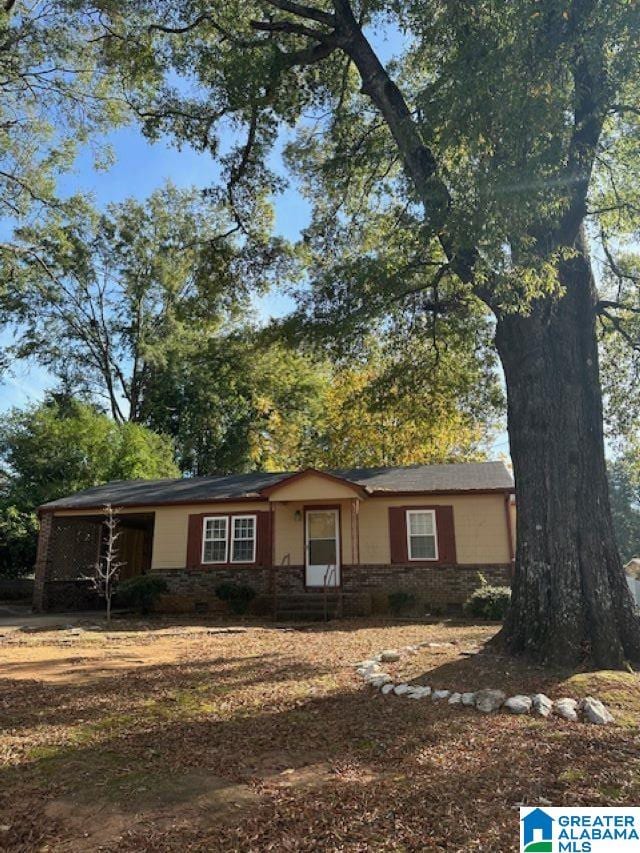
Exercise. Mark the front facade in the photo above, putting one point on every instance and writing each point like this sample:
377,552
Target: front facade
425,530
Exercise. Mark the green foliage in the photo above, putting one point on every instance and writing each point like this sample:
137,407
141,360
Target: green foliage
56,95
109,298
400,601
624,495
237,403
18,535
140,593
488,602
388,411
62,446
238,595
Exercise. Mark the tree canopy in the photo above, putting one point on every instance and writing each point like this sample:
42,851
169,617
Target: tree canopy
58,447
63,446
465,172
100,298
56,94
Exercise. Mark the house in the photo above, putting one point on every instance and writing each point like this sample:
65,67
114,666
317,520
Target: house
537,830
362,533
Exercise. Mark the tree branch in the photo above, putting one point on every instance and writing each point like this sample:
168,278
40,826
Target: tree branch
290,27
616,322
180,30
304,11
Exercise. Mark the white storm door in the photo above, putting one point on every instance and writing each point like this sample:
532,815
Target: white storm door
322,536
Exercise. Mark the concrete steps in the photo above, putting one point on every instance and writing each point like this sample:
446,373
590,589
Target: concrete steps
308,606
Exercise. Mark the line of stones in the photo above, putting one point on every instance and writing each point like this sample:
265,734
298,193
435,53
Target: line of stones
486,700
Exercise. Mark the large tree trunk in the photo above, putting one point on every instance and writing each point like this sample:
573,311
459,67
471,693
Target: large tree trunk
571,602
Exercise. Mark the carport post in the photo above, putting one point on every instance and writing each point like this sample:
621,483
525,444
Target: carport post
42,561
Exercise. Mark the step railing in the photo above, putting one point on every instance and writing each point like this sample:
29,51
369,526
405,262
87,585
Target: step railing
331,582
286,561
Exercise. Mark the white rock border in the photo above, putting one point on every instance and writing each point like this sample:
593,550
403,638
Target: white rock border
486,701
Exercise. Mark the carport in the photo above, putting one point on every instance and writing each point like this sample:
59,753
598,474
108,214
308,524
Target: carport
67,555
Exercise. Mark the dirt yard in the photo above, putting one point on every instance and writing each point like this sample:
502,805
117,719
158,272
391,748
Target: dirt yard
159,737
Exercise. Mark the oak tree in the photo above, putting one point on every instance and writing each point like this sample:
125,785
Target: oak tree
496,136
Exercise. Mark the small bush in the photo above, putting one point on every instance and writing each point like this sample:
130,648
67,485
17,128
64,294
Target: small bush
140,593
400,601
488,602
238,595
18,541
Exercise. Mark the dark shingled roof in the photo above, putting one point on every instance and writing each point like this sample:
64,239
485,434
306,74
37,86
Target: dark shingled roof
466,477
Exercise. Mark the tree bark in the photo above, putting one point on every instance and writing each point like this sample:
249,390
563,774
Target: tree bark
570,601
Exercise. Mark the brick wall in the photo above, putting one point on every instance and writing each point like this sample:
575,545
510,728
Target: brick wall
42,561
441,586
205,581
438,586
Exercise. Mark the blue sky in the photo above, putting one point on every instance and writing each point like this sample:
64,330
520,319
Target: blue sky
139,168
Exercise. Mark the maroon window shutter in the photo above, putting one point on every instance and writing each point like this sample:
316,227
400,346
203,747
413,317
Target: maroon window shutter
194,541
397,534
446,535
263,544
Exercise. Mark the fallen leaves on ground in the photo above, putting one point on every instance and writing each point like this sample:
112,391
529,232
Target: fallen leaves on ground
159,737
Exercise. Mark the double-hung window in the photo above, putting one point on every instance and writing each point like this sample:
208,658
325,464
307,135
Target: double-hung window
229,539
243,539
215,539
422,537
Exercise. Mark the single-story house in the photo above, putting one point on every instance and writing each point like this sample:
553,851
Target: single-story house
358,534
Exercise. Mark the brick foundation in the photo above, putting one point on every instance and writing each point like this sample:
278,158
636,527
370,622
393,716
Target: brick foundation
442,587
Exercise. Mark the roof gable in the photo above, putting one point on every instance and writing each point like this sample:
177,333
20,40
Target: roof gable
312,484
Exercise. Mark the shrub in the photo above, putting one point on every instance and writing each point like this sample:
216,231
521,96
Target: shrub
238,595
400,601
18,539
140,593
488,602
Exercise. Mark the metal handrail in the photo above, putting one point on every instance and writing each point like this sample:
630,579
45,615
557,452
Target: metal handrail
286,561
331,573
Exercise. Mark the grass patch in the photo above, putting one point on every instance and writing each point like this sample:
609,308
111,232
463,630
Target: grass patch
571,776
620,691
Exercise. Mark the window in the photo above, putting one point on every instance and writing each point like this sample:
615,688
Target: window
243,539
214,539
422,541
229,539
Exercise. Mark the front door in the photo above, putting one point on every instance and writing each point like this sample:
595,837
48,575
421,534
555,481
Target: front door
322,547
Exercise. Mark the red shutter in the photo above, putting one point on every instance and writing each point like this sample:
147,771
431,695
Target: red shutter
194,541
263,544
446,535
398,534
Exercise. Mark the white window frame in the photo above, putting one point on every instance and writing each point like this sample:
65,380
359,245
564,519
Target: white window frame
232,537
432,513
207,518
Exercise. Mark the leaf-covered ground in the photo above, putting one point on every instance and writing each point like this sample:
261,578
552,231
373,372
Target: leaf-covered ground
159,737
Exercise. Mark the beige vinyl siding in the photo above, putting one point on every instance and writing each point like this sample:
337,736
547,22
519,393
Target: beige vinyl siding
290,537
171,523
480,524
311,487
170,533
